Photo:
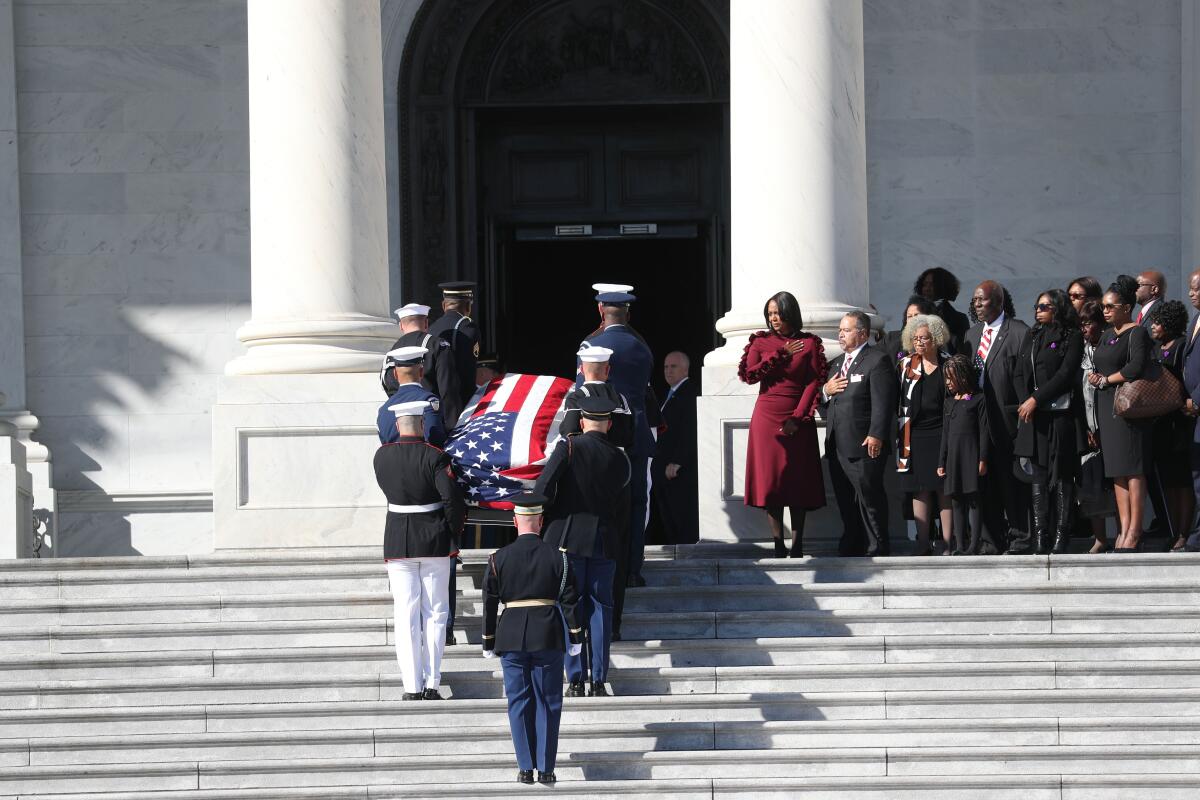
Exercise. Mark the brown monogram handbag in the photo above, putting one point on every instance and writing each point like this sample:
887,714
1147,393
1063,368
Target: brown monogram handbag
1160,392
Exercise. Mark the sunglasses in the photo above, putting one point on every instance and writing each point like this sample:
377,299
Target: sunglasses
1077,295
1112,306
1043,307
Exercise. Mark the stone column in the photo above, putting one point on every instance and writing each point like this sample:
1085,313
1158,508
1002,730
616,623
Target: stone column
318,207
293,428
1189,187
799,212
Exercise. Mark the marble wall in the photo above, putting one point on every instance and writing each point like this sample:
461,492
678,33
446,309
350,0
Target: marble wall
1025,140
132,119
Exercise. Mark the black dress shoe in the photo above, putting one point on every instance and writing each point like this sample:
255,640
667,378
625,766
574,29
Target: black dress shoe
524,776
450,640
576,689
547,778
431,694
412,696
598,690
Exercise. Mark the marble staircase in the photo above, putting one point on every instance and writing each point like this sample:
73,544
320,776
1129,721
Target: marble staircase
272,675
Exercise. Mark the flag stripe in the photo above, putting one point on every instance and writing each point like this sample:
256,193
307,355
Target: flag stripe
546,414
515,401
523,431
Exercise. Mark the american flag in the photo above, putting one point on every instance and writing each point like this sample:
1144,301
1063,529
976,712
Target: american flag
499,446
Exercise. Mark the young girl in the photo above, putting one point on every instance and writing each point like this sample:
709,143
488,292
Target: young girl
964,455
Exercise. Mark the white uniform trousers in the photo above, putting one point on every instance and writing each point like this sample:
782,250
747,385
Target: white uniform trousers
420,587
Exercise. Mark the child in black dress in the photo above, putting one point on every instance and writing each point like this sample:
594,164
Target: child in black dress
965,444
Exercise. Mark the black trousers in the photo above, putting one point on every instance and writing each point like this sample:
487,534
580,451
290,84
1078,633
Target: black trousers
1005,508
862,502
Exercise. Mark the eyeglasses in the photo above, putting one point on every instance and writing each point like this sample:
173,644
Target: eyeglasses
1112,306
1077,295
922,338
1043,307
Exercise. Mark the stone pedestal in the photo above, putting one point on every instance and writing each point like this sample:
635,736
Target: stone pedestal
16,497
799,213
293,428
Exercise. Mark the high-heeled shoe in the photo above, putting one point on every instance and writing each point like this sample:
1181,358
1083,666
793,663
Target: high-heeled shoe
780,548
797,549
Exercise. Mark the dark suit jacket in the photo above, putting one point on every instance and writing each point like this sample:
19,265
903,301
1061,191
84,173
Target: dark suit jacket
441,377
412,472
866,408
462,334
677,445
1145,323
587,481
1000,385
632,364
1191,369
528,569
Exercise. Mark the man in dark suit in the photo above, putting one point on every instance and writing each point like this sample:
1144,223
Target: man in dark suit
859,406
534,581
674,466
993,343
1151,289
1191,383
456,328
587,477
629,373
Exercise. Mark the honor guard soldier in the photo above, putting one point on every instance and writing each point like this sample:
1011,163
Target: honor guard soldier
534,581
594,366
632,364
424,520
441,373
457,329
404,365
588,478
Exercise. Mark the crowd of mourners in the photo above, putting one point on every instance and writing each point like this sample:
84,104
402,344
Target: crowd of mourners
995,436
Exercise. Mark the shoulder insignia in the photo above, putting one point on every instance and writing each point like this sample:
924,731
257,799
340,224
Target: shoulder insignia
435,404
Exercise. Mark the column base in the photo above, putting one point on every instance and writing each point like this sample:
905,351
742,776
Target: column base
16,497
40,470
290,347
293,462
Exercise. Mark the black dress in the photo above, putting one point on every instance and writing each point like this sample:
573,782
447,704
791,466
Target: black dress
965,442
1124,443
1172,437
1048,370
925,411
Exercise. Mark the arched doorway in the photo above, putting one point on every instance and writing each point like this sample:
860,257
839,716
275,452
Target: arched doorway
548,144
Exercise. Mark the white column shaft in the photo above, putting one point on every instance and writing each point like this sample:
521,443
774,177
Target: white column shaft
318,207
798,152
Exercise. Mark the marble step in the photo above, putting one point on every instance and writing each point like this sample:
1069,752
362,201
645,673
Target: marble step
614,765
959,787
484,680
577,738
223,608
78,578
381,659
1172,703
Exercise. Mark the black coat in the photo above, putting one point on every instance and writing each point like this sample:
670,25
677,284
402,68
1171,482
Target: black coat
1000,386
462,335
441,376
965,442
867,407
677,444
529,569
958,324
621,432
587,481
678,498
1048,367
412,472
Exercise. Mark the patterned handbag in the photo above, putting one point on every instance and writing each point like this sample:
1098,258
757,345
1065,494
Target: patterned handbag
1159,393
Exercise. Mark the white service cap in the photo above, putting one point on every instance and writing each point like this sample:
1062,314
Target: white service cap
406,356
604,288
412,310
594,353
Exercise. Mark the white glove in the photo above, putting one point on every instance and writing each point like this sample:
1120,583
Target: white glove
489,654
574,650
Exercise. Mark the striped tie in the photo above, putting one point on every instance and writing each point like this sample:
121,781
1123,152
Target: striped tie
845,370
985,345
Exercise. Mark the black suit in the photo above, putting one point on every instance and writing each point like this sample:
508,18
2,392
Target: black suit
1005,498
528,569
462,334
866,407
441,375
677,499
412,472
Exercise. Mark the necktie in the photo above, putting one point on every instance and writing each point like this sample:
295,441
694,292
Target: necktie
985,345
1196,327
845,370
1140,312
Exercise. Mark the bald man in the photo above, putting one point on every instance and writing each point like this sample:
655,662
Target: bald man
674,466
1151,287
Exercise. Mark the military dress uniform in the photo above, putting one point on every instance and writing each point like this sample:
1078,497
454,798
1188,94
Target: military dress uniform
441,373
588,478
462,335
621,432
424,520
385,420
533,579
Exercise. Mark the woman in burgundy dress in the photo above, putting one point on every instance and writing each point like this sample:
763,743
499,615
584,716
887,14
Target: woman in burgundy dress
783,464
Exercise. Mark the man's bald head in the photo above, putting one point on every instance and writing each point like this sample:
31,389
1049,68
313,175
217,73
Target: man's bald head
1194,288
988,301
675,367
1151,285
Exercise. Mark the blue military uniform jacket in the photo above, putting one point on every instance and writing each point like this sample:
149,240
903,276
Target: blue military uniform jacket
632,362
435,430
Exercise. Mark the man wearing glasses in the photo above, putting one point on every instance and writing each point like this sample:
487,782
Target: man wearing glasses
1151,287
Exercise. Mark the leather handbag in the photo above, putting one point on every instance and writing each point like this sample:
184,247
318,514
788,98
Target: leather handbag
1159,393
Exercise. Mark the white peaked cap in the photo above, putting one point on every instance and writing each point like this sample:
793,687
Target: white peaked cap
403,356
612,287
413,409
594,354
412,310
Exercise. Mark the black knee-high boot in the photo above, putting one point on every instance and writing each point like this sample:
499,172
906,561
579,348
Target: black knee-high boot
1040,495
1064,507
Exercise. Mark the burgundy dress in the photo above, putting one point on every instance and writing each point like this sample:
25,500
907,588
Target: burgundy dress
784,470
